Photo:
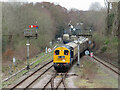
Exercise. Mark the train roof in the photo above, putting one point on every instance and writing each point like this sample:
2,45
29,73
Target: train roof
65,34
81,40
66,46
72,44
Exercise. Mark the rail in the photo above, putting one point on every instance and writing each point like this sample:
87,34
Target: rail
97,59
32,75
6,79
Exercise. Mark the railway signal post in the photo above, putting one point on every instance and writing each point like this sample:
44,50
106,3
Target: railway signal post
28,44
28,33
78,63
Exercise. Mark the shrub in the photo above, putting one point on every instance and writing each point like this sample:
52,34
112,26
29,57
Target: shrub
106,42
103,49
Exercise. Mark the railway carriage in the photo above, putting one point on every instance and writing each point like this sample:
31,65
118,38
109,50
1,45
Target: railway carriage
66,38
65,55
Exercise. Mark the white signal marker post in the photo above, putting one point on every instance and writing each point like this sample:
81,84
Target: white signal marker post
46,50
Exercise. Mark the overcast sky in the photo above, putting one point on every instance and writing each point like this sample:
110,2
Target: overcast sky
78,4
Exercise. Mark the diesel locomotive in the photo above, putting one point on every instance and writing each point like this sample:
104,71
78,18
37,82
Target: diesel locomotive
65,55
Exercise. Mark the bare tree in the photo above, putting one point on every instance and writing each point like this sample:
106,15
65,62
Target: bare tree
96,6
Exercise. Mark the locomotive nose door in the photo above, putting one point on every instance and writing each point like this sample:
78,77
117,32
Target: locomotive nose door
61,55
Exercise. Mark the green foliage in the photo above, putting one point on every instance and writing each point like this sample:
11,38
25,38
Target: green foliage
98,39
110,19
4,43
103,49
106,42
17,17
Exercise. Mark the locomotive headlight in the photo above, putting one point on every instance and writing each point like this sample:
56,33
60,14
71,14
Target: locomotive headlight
63,60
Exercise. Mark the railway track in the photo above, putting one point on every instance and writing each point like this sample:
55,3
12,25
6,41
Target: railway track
109,63
36,78
60,81
111,66
56,85
52,79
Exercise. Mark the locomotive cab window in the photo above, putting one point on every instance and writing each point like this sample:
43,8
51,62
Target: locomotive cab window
57,52
66,52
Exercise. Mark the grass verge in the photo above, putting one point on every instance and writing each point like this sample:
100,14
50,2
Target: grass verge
44,58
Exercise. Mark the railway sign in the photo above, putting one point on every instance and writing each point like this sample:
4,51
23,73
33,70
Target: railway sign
14,60
50,43
87,52
49,50
46,50
91,54
89,42
28,44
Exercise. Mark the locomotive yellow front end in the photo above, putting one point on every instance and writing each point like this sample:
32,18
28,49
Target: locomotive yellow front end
61,58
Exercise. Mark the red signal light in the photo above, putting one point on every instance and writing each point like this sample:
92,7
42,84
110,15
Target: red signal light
29,26
33,26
